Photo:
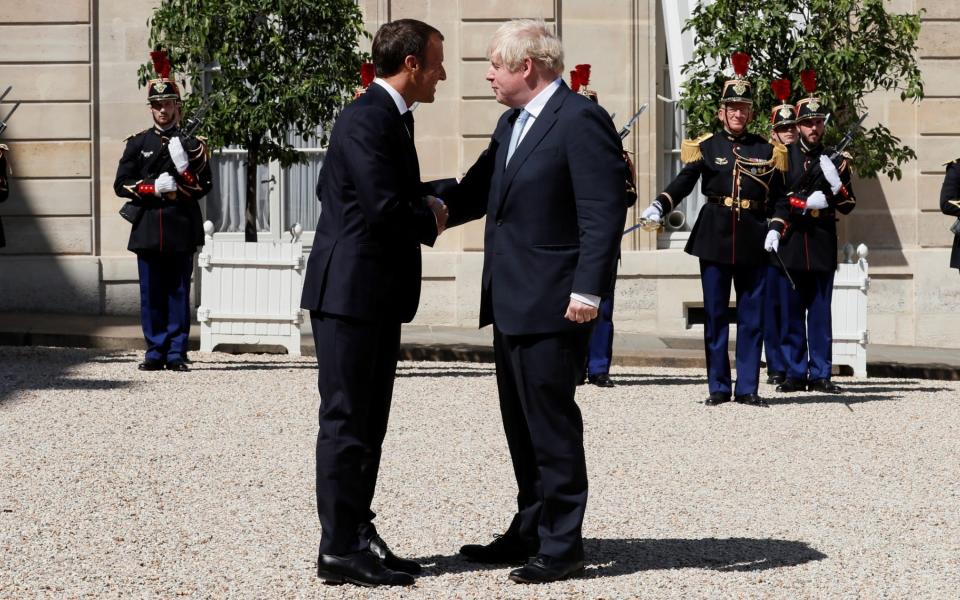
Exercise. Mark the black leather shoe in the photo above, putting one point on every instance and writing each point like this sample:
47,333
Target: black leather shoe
360,568
505,549
824,385
177,365
792,385
601,380
776,378
716,398
751,400
150,365
391,560
544,569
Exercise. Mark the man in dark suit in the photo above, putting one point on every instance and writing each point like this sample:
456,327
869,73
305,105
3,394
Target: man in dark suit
950,205
362,282
551,185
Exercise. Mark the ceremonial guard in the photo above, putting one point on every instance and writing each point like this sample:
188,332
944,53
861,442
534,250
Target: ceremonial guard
950,205
164,175
808,247
4,186
741,177
783,131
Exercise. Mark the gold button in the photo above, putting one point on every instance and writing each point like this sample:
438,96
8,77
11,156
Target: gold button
744,204
815,213
728,201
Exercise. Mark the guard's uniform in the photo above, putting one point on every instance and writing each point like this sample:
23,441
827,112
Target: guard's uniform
167,233
809,250
950,205
4,186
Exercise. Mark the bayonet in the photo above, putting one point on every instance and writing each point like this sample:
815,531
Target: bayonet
3,122
625,130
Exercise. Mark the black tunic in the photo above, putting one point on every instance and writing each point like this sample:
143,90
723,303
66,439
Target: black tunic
734,170
950,205
810,241
167,225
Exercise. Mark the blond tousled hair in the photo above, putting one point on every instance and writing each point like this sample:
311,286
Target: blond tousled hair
526,38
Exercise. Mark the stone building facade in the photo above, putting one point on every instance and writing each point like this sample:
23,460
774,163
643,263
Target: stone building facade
73,65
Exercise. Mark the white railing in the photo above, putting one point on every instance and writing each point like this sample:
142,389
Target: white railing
250,292
849,306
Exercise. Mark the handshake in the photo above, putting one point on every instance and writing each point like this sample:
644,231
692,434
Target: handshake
440,212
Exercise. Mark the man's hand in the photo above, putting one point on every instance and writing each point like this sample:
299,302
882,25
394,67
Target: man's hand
816,200
830,173
772,243
164,183
440,212
579,312
654,212
178,154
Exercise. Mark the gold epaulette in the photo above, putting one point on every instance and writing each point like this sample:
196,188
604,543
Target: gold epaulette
690,149
956,160
781,157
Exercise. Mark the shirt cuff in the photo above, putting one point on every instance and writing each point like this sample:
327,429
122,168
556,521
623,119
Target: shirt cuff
590,299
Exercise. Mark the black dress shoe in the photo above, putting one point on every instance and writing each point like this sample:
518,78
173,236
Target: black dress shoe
506,549
792,385
359,568
601,380
177,365
751,400
544,569
391,560
824,385
776,378
150,365
716,398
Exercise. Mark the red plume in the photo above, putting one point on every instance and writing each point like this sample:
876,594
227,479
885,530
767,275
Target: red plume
367,73
584,71
575,80
741,61
781,89
161,64
809,79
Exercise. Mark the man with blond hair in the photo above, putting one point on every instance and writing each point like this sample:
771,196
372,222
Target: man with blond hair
551,186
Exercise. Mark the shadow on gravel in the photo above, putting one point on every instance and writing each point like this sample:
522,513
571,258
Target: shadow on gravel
848,398
609,558
613,557
854,389
656,380
447,373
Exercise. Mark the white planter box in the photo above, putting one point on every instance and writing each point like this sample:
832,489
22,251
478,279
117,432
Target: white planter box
250,292
849,309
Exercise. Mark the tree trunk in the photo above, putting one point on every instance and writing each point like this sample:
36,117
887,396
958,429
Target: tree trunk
253,159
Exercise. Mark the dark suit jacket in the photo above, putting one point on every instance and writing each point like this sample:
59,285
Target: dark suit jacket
950,205
365,261
555,214
4,189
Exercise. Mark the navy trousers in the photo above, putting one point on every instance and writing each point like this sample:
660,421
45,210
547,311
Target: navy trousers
748,283
165,303
357,364
773,322
600,351
536,380
808,343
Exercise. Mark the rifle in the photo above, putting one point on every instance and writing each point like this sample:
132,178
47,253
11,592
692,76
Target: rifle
162,163
3,122
811,179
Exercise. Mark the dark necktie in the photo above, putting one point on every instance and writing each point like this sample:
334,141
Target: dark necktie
407,119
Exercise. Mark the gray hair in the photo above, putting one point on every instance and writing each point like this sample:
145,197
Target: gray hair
526,38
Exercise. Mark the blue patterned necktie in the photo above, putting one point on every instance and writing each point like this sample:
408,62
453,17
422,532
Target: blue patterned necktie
517,130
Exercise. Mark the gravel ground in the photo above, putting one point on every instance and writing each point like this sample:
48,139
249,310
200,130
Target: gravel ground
157,485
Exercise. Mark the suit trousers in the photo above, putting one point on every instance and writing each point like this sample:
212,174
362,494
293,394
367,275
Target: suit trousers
600,353
774,327
808,343
165,303
748,283
537,379
356,366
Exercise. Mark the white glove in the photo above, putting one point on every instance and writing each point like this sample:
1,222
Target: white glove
654,212
816,200
164,183
178,154
772,243
830,173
